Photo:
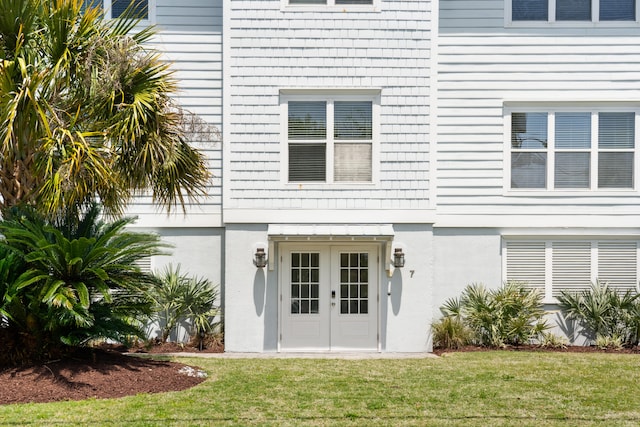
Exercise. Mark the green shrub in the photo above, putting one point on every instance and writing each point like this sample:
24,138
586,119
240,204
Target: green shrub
549,340
450,333
65,284
180,298
609,342
604,312
509,315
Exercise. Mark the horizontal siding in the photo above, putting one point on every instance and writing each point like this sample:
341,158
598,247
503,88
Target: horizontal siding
482,66
273,49
190,38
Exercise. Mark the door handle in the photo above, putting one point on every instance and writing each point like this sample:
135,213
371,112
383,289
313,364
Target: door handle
333,294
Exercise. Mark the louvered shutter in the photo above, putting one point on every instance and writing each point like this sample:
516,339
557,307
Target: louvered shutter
571,266
617,264
526,263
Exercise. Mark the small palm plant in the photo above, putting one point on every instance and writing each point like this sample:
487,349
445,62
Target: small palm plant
180,298
604,313
509,315
72,282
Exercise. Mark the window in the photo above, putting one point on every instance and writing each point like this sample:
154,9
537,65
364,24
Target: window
572,150
574,10
330,140
115,8
331,2
553,266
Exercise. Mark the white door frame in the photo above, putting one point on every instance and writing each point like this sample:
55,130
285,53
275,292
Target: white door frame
328,252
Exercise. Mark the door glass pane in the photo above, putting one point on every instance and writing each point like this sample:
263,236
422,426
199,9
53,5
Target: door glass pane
305,283
354,286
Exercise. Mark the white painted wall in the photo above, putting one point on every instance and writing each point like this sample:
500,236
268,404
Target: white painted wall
269,48
485,63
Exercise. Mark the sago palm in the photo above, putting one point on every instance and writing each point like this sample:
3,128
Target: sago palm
86,112
78,282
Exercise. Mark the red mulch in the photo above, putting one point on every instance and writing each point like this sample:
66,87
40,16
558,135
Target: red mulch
534,348
97,373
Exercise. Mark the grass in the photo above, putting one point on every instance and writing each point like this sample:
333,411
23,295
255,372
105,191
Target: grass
483,388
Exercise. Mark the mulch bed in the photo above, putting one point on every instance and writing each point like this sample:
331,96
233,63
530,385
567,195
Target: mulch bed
535,348
101,373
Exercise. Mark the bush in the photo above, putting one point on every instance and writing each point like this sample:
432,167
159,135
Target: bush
64,284
510,315
180,299
450,333
549,340
604,312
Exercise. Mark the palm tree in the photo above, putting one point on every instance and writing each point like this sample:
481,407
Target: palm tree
64,286
86,113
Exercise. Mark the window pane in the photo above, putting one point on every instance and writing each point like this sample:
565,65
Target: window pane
307,120
616,130
139,8
573,130
307,1
528,130
615,170
352,120
307,162
352,162
573,10
529,10
354,1
617,10
572,170
528,170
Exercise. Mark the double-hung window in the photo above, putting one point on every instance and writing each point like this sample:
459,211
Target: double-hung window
330,140
574,10
572,150
330,2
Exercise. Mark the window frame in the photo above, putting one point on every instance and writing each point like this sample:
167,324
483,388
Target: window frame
551,151
331,6
551,20
594,259
151,11
372,96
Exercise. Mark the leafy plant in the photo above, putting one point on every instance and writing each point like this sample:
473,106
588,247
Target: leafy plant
509,315
451,333
604,312
609,342
67,284
180,298
550,340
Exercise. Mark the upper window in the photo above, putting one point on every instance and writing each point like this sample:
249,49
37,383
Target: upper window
116,8
564,150
331,2
330,140
574,10
335,5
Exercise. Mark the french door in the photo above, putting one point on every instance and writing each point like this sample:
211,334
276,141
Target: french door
329,298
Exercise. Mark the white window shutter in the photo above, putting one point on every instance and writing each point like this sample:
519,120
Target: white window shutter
571,269
526,263
617,264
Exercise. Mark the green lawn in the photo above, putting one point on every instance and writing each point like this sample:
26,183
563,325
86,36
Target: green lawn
483,389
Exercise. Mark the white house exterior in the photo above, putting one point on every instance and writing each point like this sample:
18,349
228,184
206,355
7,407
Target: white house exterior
486,140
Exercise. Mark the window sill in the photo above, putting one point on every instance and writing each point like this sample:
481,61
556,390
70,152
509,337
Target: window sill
332,9
569,193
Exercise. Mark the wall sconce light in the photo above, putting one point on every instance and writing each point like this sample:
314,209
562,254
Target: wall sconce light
398,258
260,259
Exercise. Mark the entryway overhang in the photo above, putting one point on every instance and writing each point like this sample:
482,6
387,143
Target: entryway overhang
382,233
